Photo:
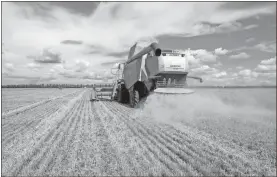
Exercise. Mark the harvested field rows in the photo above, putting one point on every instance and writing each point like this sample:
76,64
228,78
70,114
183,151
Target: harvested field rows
16,98
71,136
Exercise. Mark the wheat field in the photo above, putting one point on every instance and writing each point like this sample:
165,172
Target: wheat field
61,133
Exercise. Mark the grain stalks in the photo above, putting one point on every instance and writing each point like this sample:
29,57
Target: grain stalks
71,136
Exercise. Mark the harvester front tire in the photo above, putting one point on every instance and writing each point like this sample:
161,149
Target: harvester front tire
134,98
119,95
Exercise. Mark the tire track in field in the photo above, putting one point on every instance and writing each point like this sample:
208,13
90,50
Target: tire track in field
215,149
12,119
45,162
152,152
225,165
71,144
221,156
122,142
43,145
224,160
151,155
160,169
26,122
51,159
41,148
27,125
61,146
194,162
23,109
107,159
174,164
67,151
15,121
183,151
9,100
82,151
166,148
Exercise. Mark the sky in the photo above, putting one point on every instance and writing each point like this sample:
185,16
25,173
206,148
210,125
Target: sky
226,43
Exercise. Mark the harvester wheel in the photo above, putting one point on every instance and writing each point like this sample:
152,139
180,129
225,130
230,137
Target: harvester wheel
119,94
134,98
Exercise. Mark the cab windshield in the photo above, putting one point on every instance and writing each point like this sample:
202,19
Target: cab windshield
172,54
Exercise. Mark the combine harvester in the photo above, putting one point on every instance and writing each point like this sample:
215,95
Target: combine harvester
150,70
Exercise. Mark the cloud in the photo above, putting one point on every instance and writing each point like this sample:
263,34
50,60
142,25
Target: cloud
265,72
220,74
268,75
65,71
267,66
80,70
220,51
89,75
218,64
267,47
112,63
31,79
123,54
22,77
9,66
250,40
198,58
103,76
113,27
203,55
239,67
105,22
34,66
57,68
271,61
250,26
74,42
204,70
47,56
247,73
81,65
68,74
209,28
242,55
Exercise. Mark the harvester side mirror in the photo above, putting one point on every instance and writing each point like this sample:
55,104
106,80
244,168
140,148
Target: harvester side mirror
201,80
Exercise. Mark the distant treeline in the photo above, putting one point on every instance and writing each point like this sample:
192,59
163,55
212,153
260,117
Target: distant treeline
258,86
110,85
55,85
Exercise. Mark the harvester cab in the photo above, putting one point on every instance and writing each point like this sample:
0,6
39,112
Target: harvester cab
150,70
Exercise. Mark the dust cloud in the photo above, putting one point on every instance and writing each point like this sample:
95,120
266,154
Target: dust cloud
208,104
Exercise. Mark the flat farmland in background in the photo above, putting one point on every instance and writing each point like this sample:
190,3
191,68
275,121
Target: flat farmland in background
210,133
13,98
